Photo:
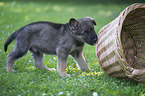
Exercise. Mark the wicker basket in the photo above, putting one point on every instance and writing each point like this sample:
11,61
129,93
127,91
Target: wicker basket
109,49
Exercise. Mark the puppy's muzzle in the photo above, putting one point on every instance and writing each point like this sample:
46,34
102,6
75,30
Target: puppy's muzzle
94,41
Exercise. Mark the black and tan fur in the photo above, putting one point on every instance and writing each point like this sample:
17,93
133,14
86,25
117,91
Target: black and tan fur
51,38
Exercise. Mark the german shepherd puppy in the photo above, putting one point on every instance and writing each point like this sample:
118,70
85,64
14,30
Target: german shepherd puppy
51,38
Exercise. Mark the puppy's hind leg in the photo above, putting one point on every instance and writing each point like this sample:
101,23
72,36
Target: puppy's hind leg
38,61
16,53
9,62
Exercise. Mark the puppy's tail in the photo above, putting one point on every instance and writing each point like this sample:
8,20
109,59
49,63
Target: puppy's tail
9,40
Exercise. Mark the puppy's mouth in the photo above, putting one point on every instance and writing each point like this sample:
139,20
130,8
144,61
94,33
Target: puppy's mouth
95,43
92,43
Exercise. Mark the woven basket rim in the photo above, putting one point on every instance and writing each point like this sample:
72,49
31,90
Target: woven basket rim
130,72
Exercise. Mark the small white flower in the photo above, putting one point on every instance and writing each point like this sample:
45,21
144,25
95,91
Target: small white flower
11,25
2,14
60,93
68,94
95,94
139,45
8,26
135,57
29,60
19,95
43,94
54,58
0,50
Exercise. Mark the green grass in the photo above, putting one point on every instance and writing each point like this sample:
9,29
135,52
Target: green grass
31,81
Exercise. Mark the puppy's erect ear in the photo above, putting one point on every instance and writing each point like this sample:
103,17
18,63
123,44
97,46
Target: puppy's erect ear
73,24
93,21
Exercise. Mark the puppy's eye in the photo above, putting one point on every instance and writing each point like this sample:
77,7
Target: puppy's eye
82,32
86,31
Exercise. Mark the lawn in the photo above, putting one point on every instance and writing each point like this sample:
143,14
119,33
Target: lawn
31,81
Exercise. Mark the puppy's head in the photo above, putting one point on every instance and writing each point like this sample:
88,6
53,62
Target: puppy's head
83,30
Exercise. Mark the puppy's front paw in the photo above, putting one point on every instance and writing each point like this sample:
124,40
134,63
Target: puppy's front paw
68,75
52,69
65,74
87,70
11,70
91,70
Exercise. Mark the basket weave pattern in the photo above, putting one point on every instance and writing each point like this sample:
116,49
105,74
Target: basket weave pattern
109,49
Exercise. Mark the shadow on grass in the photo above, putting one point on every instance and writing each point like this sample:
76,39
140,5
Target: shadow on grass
82,2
